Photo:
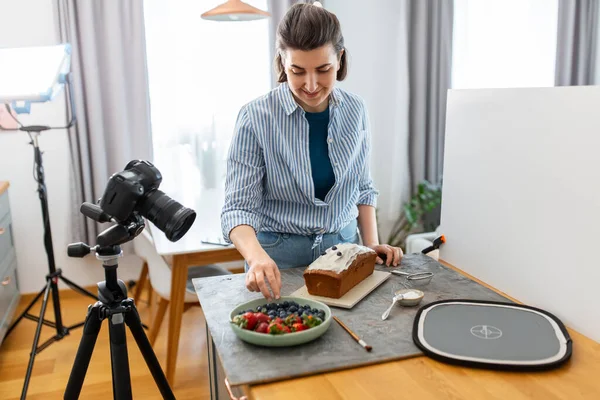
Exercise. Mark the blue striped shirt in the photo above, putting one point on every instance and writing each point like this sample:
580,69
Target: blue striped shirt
269,183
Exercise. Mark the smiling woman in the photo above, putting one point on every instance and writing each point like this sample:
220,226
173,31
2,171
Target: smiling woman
310,59
311,75
298,165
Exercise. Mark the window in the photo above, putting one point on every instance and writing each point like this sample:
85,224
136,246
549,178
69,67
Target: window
200,74
504,43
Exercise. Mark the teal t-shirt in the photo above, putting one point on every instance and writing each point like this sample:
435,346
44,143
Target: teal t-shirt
322,171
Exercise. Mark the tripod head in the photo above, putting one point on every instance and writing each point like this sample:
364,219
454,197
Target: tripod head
108,250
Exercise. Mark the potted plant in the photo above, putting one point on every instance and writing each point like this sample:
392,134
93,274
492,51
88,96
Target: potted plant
420,214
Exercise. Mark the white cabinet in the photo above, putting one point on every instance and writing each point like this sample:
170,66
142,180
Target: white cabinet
9,290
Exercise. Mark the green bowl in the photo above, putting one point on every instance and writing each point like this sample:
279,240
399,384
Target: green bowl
288,339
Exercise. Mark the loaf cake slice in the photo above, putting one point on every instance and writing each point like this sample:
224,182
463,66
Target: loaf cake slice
339,269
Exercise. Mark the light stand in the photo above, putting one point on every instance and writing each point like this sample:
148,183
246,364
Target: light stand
51,286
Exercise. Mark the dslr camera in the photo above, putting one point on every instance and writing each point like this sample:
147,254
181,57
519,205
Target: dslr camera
134,192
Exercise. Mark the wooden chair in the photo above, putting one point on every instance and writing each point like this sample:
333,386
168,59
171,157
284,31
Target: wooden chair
157,272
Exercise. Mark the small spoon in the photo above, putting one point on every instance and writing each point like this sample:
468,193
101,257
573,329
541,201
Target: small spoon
398,295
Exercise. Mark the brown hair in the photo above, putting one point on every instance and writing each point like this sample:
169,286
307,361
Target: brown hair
307,27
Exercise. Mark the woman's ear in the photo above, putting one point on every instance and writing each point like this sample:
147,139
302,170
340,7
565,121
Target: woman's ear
340,60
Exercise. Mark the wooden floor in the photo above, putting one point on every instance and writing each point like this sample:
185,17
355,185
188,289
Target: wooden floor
53,365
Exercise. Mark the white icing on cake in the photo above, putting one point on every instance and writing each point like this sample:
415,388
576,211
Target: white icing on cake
331,261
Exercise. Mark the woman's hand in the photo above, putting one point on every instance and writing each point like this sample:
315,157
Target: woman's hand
391,254
263,270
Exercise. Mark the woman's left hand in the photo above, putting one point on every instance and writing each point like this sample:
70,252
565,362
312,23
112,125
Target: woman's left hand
392,254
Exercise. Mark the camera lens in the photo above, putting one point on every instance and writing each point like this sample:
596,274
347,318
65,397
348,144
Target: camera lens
167,214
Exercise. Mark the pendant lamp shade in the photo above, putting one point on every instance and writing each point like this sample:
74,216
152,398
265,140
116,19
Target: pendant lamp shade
235,10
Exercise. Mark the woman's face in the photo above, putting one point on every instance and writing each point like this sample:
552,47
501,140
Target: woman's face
311,75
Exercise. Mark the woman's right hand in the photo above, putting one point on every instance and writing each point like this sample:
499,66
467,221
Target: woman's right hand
263,272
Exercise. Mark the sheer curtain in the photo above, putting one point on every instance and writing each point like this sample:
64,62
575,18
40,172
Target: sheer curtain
576,59
504,43
110,89
200,74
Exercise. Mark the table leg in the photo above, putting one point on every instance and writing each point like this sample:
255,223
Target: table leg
178,282
212,367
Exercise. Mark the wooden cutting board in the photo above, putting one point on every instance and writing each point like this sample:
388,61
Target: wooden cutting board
353,296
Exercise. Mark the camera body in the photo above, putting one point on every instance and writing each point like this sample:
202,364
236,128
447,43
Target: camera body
125,190
133,194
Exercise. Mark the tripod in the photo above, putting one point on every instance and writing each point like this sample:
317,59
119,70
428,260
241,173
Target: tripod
51,287
114,306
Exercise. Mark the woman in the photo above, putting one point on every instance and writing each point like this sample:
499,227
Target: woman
298,179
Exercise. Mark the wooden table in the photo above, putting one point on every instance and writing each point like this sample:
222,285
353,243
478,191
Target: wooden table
424,378
190,251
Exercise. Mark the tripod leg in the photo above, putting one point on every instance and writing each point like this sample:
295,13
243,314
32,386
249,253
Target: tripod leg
78,288
118,357
91,329
37,297
36,339
132,319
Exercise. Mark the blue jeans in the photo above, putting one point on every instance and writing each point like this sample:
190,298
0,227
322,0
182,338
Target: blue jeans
289,250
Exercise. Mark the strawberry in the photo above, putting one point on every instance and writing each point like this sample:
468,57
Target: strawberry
298,327
247,321
292,319
275,328
262,317
262,327
286,329
311,321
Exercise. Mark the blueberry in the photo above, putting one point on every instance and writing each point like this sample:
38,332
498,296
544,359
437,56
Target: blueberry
293,309
334,248
286,303
249,310
322,315
241,312
271,306
295,304
314,311
282,315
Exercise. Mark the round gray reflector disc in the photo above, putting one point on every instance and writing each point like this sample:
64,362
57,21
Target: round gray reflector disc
492,335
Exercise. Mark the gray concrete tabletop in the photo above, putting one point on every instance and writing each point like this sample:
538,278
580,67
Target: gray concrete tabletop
391,339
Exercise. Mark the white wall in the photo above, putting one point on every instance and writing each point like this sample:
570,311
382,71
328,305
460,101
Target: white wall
486,54
29,23
375,35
